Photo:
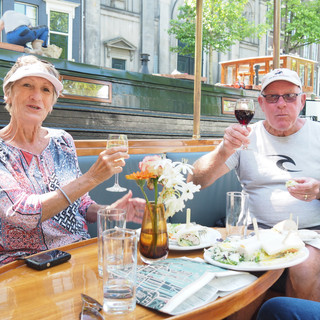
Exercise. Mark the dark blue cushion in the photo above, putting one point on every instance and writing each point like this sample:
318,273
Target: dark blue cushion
207,206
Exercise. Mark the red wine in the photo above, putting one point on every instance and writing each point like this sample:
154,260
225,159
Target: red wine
244,116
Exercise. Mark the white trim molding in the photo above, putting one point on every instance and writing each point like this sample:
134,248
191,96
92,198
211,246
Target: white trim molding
65,7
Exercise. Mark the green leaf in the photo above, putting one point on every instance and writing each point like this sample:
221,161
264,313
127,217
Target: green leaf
223,25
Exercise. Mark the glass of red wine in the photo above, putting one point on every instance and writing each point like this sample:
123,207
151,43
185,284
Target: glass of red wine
244,112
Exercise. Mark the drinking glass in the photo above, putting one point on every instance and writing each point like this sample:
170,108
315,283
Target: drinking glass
237,215
119,270
244,112
108,218
117,140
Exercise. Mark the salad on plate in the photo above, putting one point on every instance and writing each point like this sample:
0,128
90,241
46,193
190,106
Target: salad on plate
190,235
265,247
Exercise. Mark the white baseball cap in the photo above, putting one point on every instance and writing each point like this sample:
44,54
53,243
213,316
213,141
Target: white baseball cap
280,74
34,70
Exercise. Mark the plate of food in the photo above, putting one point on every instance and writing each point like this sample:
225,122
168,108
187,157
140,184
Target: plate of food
267,250
289,225
192,236
308,235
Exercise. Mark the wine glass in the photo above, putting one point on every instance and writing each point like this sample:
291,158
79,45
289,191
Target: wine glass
117,140
244,112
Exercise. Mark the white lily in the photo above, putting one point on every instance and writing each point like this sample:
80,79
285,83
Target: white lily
175,191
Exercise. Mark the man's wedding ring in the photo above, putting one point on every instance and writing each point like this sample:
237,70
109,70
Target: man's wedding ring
305,197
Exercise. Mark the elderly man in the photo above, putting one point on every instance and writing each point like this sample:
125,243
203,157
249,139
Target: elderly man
282,147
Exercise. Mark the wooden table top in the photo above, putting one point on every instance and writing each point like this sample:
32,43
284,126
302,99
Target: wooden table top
55,293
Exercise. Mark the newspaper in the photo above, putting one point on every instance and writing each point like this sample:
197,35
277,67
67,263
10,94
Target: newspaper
175,286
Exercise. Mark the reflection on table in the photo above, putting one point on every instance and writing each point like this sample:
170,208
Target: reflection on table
55,293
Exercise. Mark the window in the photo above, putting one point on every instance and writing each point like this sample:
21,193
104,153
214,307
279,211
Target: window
118,64
119,4
185,63
61,15
119,53
309,75
86,89
294,65
314,51
59,27
301,73
249,15
28,10
306,52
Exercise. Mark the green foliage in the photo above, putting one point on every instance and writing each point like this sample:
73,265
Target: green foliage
223,25
300,23
59,21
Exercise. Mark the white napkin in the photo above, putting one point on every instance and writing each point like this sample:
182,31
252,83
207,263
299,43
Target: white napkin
314,242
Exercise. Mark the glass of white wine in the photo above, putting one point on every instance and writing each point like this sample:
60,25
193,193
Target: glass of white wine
117,140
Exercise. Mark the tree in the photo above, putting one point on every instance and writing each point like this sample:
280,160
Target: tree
223,24
300,23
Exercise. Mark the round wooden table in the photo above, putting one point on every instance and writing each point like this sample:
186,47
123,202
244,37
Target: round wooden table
55,293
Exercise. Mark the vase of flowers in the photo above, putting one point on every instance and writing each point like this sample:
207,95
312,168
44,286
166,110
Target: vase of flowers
158,171
153,244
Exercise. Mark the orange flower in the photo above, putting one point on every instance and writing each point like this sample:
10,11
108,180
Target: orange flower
142,175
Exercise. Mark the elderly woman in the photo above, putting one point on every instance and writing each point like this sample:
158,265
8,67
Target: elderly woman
44,201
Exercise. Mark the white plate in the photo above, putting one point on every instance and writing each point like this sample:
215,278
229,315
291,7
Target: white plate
252,266
207,241
308,235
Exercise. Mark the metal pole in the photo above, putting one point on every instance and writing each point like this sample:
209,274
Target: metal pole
197,73
276,34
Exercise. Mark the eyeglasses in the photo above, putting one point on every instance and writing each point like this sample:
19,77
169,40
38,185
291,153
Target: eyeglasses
273,98
90,308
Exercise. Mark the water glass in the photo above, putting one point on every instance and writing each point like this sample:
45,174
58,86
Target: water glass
119,270
108,219
237,214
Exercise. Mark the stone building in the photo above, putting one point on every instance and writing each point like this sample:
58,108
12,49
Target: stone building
129,28
114,34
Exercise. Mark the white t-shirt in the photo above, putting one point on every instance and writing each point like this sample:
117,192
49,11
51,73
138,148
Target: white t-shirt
13,19
264,170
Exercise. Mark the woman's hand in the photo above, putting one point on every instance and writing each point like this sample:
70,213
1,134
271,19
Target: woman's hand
109,162
134,207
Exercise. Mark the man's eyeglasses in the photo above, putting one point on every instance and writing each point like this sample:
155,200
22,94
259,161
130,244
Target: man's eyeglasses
273,98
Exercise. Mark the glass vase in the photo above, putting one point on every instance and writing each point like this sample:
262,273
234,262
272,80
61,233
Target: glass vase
154,236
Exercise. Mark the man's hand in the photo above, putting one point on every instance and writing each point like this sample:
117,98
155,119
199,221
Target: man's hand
235,136
134,206
306,189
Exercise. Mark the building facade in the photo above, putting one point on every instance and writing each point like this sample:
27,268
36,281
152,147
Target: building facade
129,28
115,33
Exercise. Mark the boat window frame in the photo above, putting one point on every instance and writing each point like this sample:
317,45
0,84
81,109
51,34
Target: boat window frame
108,99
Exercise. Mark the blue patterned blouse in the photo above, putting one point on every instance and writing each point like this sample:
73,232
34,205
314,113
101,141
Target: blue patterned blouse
25,176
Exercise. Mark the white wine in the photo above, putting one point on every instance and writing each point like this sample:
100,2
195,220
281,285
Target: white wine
117,143
117,140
